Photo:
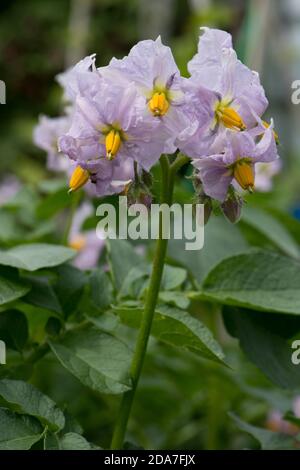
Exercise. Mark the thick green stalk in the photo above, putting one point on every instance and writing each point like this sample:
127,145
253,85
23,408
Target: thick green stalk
150,304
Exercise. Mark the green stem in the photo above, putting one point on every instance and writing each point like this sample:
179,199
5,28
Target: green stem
150,304
38,353
179,162
76,196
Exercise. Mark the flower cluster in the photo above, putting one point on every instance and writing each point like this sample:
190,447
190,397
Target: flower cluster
137,108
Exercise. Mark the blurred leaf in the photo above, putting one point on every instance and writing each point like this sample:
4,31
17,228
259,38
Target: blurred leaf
259,280
36,256
42,295
101,289
122,258
97,359
273,230
176,328
73,441
13,329
11,287
25,198
172,277
71,424
106,322
290,416
265,340
268,440
53,203
10,228
290,223
51,441
178,299
24,398
51,186
135,282
69,287
18,432
221,240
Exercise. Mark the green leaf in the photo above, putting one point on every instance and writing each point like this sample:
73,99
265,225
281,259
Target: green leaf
288,221
18,432
221,241
176,328
122,258
24,398
135,282
42,295
36,256
69,287
265,341
178,299
97,359
271,229
101,289
25,198
73,441
11,287
268,440
259,280
106,322
290,416
13,329
172,277
10,229
51,441
53,203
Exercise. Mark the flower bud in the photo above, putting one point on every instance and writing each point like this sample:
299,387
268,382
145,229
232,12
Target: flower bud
232,208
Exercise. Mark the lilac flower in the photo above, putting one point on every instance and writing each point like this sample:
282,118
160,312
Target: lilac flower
87,243
277,423
152,68
264,174
81,80
110,129
9,187
235,161
223,93
45,136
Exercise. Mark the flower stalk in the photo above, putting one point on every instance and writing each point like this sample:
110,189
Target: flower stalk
167,185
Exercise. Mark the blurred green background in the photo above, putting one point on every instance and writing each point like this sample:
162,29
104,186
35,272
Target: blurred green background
189,398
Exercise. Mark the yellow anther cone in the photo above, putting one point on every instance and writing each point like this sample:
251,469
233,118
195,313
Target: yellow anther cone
244,174
78,179
112,144
230,118
159,104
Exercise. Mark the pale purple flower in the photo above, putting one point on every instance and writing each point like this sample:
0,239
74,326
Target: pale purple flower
150,65
87,243
217,68
277,423
112,177
119,110
222,93
264,174
81,80
9,187
45,136
238,154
